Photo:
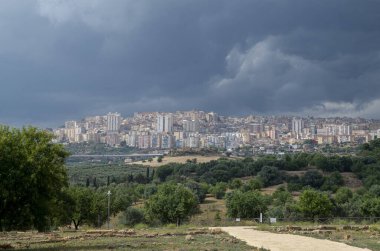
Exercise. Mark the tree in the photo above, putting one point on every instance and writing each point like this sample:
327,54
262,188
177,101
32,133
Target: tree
374,190
218,190
235,184
149,190
164,171
281,197
141,179
79,205
120,199
95,184
171,204
333,182
315,204
245,204
255,184
270,176
32,178
199,190
343,195
371,207
147,173
313,179
133,216
322,162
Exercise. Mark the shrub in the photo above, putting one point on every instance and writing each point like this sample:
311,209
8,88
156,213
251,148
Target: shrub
133,216
270,176
313,179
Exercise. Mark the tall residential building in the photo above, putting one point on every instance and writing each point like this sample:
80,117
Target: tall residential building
256,128
313,130
165,123
345,130
190,125
113,122
297,126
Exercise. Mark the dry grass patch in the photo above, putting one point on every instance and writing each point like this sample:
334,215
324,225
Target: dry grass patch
177,159
149,239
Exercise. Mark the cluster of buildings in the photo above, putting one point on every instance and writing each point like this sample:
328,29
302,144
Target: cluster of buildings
199,129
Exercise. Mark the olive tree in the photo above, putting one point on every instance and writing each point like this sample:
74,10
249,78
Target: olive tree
171,204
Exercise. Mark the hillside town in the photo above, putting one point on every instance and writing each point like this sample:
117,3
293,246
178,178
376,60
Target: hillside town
199,129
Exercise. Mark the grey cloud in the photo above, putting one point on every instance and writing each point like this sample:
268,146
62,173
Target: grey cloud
68,59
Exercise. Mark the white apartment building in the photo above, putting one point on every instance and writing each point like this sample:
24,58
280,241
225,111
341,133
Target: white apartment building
113,122
165,123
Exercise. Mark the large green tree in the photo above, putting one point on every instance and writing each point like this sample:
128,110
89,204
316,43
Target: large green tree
245,204
315,204
85,205
171,204
80,205
32,175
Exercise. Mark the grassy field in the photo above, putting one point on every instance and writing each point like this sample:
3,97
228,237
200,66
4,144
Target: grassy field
178,159
149,239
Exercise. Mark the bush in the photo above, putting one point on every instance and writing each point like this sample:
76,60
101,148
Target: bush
235,184
270,176
343,195
293,187
255,184
333,182
313,179
133,216
219,190
374,190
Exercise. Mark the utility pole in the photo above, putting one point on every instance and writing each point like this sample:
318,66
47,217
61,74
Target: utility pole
108,211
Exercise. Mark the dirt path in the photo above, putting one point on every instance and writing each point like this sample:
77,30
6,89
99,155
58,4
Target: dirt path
285,242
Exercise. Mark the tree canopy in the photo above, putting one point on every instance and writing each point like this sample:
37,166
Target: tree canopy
171,204
32,175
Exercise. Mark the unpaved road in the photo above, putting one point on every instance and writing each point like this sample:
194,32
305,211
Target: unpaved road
285,242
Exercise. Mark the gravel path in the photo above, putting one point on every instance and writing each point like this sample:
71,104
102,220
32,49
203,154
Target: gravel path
285,242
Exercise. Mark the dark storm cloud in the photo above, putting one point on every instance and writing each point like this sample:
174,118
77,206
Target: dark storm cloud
67,59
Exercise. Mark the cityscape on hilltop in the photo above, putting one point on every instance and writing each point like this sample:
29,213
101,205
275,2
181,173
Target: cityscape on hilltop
200,129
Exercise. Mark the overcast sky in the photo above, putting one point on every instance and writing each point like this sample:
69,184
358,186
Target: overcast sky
62,59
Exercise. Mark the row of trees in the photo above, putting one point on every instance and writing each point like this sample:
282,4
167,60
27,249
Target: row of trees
224,170
167,203
312,204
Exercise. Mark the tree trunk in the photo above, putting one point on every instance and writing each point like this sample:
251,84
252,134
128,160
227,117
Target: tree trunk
76,224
